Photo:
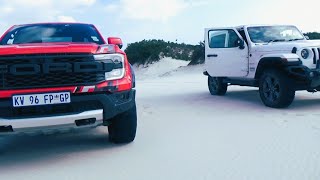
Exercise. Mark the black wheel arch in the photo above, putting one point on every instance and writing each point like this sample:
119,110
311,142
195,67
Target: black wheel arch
274,63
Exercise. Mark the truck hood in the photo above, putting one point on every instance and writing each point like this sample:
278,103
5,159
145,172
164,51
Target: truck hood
48,48
286,46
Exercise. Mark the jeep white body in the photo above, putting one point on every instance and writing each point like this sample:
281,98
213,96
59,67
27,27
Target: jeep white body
240,58
284,50
235,62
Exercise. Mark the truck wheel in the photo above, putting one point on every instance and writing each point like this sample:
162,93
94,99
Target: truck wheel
217,86
276,89
123,127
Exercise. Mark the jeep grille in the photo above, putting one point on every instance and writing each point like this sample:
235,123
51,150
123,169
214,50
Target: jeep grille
316,55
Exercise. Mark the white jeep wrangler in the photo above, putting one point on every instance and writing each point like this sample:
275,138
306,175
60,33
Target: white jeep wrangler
278,59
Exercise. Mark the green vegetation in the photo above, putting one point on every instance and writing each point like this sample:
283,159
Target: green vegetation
313,35
149,51
198,54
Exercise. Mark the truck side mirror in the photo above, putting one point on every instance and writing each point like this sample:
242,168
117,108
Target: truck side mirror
240,43
116,41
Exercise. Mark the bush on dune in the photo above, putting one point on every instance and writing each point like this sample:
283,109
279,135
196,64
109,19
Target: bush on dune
149,51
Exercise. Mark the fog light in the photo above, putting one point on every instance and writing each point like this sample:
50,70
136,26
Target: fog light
311,74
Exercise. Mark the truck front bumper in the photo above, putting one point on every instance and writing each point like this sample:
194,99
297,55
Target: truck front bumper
85,111
314,76
306,78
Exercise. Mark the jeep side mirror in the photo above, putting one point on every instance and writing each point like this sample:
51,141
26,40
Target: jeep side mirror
240,43
116,41
307,37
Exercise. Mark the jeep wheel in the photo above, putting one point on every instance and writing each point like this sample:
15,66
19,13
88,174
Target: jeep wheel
217,86
123,127
275,89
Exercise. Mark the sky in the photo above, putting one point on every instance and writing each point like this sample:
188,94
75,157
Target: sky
171,20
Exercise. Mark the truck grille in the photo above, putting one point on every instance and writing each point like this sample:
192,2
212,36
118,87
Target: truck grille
316,55
16,81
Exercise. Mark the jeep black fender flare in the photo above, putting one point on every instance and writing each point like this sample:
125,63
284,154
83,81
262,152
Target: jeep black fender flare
275,62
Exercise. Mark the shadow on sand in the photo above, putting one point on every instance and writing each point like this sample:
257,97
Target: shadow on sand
20,151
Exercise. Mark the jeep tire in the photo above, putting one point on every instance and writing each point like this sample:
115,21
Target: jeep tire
123,127
217,86
275,88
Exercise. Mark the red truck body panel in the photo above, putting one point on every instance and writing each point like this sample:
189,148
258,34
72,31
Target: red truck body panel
48,48
57,48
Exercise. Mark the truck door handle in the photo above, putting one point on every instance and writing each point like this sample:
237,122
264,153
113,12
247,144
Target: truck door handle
212,55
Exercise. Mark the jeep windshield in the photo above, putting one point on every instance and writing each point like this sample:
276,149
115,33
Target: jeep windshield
46,33
267,34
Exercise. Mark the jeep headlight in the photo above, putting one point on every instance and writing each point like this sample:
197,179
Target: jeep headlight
117,59
305,53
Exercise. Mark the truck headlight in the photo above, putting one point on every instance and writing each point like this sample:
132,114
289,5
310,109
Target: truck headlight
117,59
305,53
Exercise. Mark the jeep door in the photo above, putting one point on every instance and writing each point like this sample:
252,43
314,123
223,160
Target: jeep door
226,53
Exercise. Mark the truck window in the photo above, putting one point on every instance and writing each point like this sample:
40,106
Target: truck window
46,33
265,34
223,39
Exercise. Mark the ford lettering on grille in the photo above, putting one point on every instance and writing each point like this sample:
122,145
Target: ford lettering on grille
46,68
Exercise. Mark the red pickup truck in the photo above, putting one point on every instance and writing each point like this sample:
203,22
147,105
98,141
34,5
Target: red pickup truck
61,77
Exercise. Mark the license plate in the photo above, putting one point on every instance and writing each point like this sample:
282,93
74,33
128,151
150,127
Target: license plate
41,99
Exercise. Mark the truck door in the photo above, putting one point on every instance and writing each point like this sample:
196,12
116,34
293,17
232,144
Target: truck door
226,53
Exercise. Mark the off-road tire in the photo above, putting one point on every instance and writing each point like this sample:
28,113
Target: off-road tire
217,86
276,89
123,127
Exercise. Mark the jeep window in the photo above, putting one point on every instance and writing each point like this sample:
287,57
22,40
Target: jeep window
266,34
223,39
45,33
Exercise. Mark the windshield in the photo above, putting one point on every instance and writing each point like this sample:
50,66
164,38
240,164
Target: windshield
266,34
45,33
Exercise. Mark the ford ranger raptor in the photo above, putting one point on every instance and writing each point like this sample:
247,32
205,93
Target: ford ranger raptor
62,77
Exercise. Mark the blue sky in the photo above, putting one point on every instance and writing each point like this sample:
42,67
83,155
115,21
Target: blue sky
170,20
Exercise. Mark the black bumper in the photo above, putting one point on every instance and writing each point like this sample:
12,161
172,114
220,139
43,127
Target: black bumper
112,105
305,77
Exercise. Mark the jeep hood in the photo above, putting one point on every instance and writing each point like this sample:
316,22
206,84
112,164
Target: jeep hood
50,48
286,46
